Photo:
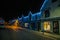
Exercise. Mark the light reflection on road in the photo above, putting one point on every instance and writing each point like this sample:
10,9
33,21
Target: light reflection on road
14,26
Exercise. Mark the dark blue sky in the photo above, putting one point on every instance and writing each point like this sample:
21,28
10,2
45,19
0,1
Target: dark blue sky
14,8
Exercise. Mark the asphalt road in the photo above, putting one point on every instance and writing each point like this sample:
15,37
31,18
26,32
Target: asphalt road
7,34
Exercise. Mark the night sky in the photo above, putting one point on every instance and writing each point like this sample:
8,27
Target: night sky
10,9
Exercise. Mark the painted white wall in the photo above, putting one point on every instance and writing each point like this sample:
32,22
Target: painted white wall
55,10
55,13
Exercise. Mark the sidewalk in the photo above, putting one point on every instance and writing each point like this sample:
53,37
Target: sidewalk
52,35
45,35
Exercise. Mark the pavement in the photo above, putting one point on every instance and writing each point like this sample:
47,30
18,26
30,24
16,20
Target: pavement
46,35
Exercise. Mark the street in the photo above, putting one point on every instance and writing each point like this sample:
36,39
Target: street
22,34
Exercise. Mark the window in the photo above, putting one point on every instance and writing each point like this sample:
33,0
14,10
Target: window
26,24
54,1
56,27
47,13
59,5
47,26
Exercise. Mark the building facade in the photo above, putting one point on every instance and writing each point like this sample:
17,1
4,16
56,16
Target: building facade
47,20
51,18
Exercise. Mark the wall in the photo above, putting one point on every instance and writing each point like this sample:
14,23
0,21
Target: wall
55,10
55,13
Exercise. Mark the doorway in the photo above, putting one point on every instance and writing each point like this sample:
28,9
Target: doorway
56,27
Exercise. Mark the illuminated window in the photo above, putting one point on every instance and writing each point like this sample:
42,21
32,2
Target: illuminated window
26,24
47,26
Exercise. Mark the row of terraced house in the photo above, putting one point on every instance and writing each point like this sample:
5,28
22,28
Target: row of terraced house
47,20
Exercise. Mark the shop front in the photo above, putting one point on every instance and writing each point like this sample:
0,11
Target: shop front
51,25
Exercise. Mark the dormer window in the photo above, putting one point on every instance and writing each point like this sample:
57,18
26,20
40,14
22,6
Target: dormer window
47,13
59,5
54,1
